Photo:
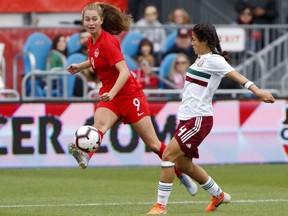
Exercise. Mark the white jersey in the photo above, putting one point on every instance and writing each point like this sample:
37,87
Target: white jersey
202,80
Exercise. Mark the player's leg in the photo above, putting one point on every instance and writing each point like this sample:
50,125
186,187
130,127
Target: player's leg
138,114
170,155
205,181
145,129
104,119
189,142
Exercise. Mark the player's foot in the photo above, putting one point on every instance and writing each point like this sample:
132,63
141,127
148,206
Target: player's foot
190,185
81,157
157,209
216,201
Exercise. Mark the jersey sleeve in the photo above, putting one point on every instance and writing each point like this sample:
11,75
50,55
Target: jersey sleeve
113,51
220,66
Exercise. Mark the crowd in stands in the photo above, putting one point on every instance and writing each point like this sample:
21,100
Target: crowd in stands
151,28
152,48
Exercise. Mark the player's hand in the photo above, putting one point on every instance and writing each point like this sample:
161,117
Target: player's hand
73,68
267,97
106,97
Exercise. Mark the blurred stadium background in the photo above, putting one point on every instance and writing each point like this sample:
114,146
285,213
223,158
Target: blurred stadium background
247,149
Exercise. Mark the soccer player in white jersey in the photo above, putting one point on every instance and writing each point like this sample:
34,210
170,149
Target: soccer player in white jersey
196,117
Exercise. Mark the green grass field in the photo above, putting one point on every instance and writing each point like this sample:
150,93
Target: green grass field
255,190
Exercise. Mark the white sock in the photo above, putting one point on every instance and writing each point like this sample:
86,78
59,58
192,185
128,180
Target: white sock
164,191
212,187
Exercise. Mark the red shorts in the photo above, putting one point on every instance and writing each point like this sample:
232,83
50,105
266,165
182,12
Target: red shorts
191,133
130,110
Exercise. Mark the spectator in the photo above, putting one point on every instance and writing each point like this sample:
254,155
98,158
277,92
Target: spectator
183,44
264,11
245,16
253,36
59,46
84,35
253,42
145,49
136,7
144,72
151,28
92,82
178,17
56,60
178,70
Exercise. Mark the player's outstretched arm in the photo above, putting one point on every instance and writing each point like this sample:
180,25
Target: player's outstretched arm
265,96
75,68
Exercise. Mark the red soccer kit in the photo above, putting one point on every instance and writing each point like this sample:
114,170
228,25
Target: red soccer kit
130,102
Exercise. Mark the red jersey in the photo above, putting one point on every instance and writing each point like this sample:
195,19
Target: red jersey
103,55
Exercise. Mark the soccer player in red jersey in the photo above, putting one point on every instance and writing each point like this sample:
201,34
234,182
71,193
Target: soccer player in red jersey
121,96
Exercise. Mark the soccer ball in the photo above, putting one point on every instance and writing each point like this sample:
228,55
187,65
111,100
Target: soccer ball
87,138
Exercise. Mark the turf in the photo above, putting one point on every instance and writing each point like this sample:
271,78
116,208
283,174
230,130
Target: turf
255,190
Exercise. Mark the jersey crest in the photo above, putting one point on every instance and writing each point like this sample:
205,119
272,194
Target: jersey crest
96,53
200,63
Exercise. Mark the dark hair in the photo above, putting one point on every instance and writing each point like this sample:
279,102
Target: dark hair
207,32
146,41
55,42
239,21
114,20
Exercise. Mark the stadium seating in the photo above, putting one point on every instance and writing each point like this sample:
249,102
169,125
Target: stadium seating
35,51
131,63
39,45
165,67
73,43
170,41
73,58
130,43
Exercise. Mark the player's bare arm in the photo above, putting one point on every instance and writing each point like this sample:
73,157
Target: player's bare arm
265,96
124,75
75,68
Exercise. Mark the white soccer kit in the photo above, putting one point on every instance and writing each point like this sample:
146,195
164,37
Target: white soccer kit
202,80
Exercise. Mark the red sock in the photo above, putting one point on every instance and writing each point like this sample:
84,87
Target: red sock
162,147
177,172
90,154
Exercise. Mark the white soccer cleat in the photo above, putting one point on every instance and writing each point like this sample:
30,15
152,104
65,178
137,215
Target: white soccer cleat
81,157
227,198
190,185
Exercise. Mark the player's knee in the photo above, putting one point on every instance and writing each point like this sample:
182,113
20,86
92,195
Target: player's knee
167,156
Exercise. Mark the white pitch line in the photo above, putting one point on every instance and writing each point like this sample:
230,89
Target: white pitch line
130,203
